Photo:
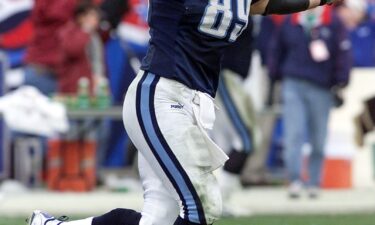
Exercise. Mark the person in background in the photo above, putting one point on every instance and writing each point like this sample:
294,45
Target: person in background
362,31
42,54
268,26
82,70
81,50
311,52
371,9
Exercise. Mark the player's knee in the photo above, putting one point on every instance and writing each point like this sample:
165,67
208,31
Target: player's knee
212,204
158,210
209,205
213,211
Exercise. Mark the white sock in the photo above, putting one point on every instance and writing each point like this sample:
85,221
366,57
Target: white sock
87,221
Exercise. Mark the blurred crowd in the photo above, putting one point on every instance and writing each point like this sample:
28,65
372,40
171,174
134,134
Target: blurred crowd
65,46
311,53
59,48
67,39
77,29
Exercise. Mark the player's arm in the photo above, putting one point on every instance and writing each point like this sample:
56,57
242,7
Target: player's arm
266,7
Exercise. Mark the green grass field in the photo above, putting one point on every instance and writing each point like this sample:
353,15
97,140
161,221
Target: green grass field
366,219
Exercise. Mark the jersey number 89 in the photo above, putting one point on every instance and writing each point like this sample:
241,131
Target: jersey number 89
218,18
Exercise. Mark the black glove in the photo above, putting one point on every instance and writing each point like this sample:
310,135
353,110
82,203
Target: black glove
338,99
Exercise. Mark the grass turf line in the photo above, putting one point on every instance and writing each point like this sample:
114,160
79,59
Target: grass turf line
365,219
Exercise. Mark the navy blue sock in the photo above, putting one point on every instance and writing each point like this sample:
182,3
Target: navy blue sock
181,221
118,217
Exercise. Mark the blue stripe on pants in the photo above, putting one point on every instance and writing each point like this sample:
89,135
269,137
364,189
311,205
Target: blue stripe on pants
235,117
158,145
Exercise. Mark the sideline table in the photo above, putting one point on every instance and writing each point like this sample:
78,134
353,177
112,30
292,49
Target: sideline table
114,113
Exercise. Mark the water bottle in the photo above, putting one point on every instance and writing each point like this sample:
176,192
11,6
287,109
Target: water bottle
102,94
83,95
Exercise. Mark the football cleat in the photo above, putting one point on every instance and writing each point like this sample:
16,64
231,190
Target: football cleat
41,218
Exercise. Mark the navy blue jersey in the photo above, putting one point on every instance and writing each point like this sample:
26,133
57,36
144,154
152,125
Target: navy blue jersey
188,39
237,57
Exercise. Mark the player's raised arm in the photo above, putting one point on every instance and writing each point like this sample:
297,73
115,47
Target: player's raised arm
266,7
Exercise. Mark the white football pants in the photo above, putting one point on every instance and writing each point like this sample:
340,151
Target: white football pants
167,123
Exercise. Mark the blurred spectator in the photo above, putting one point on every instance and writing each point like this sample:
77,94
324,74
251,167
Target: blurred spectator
352,12
81,49
371,9
42,56
82,57
362,31
124,51
311,53
365,121
15,24
268,26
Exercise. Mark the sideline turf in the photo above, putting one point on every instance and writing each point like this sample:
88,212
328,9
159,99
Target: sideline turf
366,219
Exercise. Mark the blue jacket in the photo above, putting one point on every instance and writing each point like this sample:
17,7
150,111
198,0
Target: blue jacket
290,56
363,40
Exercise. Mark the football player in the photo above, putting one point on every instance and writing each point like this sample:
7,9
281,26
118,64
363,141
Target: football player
234,129
169,107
